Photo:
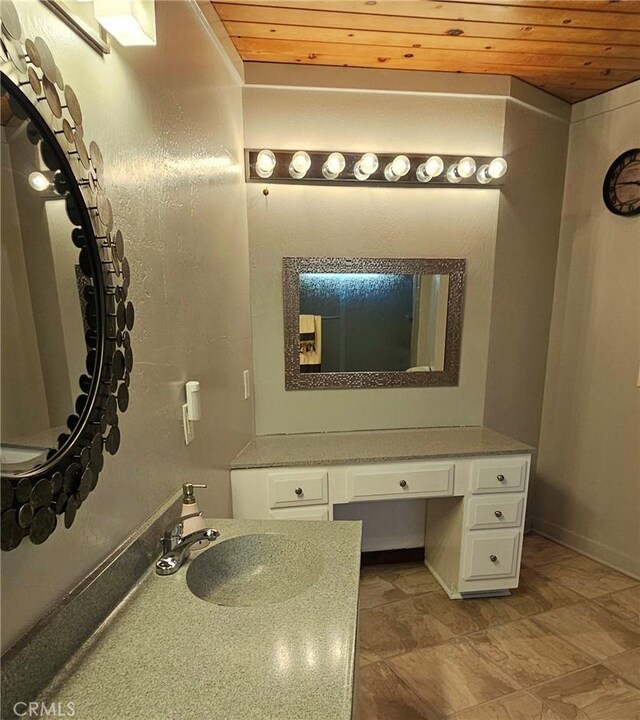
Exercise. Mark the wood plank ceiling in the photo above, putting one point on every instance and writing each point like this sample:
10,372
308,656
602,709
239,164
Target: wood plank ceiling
573,49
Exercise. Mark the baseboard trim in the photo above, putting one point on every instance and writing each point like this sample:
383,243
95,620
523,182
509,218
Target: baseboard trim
480,594
593,549
389,557
441,582
528,525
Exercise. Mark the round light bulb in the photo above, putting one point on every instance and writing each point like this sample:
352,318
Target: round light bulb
482,176
265,163
466,167
369,163
452,174
366,166
497,168
434,166
38,181
300,164
421,173
397,168
401,165
333,165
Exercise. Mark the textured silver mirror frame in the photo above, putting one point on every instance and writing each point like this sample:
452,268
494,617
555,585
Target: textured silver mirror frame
295,380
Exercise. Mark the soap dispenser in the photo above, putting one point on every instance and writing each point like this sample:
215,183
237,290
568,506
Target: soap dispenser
190,506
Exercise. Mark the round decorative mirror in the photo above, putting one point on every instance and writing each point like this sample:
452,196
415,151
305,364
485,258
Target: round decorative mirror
65,325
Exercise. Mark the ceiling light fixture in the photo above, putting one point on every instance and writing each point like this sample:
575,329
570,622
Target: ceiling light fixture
130,22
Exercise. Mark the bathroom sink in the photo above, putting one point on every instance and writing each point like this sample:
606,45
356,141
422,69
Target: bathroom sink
254,570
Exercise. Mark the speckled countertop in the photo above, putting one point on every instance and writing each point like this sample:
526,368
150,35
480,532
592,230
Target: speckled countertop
165,654
379,446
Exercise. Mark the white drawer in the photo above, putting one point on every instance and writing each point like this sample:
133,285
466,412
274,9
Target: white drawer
495,511
499,475
490,554
400,480
296,487
315,512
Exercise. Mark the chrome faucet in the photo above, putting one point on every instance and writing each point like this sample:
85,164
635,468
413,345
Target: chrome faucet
176,546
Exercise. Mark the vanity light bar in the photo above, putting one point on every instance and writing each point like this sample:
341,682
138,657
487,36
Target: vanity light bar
397,169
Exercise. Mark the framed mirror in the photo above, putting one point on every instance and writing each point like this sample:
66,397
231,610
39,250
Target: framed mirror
372,322
66,352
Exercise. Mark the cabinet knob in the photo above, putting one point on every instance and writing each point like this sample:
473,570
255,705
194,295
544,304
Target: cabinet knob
498,513
493,558
500,478
403,483
298,491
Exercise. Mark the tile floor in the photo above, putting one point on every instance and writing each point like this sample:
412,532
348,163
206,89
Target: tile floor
564,646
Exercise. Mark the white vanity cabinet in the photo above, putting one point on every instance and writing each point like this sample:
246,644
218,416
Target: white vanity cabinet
474,519
473,543
281,493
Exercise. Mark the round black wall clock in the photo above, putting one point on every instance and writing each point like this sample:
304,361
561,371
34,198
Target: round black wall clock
621,187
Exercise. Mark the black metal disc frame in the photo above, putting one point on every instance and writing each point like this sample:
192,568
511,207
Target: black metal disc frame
96,268
33,499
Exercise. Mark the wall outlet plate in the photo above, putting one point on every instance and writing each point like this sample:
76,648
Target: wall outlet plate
189,433
246,376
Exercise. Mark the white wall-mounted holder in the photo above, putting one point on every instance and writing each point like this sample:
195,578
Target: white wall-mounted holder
191,410
382,169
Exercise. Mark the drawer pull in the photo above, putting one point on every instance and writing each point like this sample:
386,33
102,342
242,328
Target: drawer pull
500,478
403,483
298,491
498,513
493,558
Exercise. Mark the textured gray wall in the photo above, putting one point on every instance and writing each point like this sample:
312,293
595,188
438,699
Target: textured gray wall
525,264
369,222
588,490
169,122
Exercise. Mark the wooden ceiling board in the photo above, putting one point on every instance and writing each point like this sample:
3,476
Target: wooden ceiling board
454,60
631,6
453,10
573,50
316,18
430,47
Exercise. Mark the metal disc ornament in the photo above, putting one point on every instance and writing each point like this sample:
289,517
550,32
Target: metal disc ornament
73,106
10,19
47,63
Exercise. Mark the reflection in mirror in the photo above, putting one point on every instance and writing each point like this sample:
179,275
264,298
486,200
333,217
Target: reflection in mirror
66,357
368,322
372,322
43,333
